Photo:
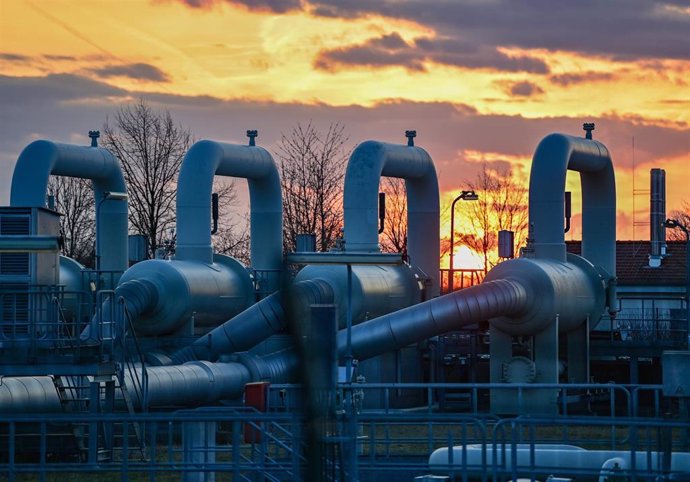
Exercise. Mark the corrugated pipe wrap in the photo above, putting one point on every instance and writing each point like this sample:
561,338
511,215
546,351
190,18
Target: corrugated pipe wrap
434,317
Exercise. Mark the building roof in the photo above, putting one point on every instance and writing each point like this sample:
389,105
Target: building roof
632,263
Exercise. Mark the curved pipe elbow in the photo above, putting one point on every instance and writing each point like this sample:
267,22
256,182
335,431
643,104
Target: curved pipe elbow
373,159
41,159
206,159
554,156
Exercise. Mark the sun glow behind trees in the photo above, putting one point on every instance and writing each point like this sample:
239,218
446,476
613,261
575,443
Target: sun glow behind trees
233,59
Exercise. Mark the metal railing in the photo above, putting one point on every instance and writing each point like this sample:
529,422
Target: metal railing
45,324
389,446
462,278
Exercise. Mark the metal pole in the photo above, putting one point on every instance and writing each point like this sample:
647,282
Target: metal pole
348,357
452,243
687,282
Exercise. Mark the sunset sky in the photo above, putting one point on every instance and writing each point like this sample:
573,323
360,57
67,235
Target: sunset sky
480,81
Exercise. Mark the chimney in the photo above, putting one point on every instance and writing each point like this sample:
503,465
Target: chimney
657,215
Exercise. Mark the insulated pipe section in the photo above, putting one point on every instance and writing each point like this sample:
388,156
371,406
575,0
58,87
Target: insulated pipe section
555,155
41,159
28,395
202,382
371,160
258,322
434,317
207,159
519,296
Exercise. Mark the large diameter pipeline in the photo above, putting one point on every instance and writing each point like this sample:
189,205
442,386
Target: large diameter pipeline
572,291
434,317
554,156
176,292
375,289
258,322
29,395
202,382
206,159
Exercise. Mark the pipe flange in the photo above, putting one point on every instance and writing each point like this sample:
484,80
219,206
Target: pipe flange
519,369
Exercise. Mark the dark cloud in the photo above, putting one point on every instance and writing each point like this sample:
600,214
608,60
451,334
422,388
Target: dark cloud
620,29
524,89
393,50
60,58
571,78
136,71
66,107
10,57
274,6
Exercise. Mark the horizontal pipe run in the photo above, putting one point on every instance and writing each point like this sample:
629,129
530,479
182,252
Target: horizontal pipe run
545,459
28,244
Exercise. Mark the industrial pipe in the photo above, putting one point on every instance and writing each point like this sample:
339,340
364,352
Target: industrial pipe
371,160
28,395
206,159
557,459
554,156
435,317
376,290
41,159
257,323
520,296
162,296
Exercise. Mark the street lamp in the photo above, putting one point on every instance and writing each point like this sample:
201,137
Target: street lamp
466,196
675,224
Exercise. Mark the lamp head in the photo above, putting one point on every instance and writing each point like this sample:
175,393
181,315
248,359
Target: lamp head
671,223
469,195
119,196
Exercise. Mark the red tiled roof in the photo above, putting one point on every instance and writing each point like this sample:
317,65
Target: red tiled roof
632,263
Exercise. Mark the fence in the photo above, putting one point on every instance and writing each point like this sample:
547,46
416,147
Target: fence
236,443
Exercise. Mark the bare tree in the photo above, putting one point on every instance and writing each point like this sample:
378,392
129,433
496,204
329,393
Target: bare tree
681,215
502,204
232,237
150,146
74,201
312,167
394,236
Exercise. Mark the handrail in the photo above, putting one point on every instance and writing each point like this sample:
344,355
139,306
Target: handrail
126,328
